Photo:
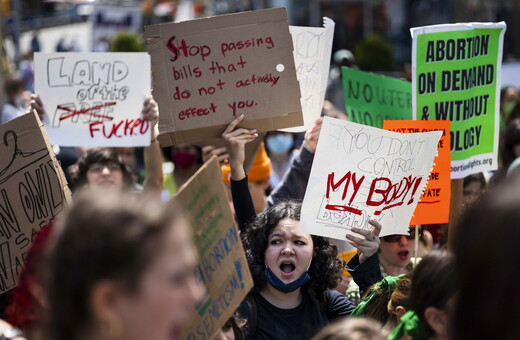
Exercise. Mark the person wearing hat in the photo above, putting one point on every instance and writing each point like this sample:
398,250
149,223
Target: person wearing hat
257,178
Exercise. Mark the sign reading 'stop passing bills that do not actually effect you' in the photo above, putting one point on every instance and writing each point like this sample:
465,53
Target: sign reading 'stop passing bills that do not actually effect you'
456,77
94,99
33,191
361,173
209,71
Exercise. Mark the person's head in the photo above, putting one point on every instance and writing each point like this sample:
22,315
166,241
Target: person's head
257,178
433,288
473,187
485,246
375,302
14,90
274,240
102,168
351,329
232,329
185,156
122,268
400,302
395,252
279,143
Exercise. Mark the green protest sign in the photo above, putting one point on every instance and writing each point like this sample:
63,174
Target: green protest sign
456,77
370,98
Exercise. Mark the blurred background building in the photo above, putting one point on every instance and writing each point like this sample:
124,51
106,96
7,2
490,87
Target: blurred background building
376,31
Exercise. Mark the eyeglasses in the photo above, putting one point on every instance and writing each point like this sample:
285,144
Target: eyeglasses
99,167
397,238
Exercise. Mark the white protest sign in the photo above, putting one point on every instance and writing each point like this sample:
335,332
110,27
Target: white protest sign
94,99
360,173
312,50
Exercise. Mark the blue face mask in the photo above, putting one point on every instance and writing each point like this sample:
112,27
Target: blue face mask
280,144
285,287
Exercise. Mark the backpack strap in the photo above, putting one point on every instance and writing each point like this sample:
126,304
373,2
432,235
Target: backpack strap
252,317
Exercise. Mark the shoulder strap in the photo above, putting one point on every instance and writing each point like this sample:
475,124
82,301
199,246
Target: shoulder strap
253,315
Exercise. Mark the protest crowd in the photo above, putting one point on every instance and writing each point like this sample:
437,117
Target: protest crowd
274,218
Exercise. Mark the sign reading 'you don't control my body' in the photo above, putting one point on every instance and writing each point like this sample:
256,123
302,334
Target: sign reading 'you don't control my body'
456,77
360,173
209,71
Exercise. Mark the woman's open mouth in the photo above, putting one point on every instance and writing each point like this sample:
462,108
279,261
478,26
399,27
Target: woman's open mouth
287,268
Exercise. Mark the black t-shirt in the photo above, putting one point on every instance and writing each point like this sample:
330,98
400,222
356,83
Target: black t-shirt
301,322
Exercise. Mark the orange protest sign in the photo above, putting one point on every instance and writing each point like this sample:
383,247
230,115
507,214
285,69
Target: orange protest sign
434,206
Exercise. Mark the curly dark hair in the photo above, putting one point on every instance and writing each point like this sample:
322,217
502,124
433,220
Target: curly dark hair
103,156
325,269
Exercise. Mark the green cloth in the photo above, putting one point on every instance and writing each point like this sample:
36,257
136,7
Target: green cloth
388,285
411,326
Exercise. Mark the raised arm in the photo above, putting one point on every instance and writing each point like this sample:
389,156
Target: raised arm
235,140
153,181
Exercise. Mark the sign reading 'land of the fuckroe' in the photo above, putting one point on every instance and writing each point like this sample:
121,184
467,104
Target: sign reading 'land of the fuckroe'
94,99
456,77
209,71
360,173
33,191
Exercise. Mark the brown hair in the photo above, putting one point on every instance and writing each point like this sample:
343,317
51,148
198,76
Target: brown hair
108,235
400,297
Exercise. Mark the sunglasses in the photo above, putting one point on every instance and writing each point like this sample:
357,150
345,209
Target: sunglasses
397,238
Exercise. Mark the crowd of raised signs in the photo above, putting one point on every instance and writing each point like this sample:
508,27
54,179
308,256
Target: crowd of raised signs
120,262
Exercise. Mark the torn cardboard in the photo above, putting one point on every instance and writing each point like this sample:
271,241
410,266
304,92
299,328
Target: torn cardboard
222,265
33,191
209,71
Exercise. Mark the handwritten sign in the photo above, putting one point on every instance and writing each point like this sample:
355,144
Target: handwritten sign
370,98
312,50
434,204
209,71
33,191
222,264
94,99
361,173
456,77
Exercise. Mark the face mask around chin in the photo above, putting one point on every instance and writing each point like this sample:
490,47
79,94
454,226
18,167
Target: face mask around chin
183,160
285,287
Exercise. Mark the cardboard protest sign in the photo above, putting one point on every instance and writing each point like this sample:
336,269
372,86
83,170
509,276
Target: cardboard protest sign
312,50
370,98
209,71
360,173
33,191
94,99
222,264
456,76
434,204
